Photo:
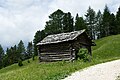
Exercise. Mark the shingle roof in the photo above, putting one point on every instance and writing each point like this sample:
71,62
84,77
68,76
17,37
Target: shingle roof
56,38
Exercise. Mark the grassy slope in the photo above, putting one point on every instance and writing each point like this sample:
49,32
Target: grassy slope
107,49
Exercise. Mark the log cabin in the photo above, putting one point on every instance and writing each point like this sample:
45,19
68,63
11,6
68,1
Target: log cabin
63,46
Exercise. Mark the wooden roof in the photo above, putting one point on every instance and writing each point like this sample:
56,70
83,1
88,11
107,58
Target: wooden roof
56,38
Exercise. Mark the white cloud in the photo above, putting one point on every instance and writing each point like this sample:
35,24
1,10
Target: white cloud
81,6
20,19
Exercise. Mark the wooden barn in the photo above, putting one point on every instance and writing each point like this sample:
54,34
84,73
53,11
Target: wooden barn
63,46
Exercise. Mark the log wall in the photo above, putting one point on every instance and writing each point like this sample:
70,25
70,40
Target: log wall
57,52
64,50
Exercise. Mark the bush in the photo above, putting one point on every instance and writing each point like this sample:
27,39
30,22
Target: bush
20,62
83,54
28,61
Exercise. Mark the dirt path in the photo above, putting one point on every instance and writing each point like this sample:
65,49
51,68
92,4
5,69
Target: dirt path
104,71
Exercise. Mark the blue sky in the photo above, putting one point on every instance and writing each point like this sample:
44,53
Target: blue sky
20,19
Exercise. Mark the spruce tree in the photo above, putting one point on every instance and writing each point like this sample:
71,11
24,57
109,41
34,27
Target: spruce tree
90,20
59,22
118,21
98,27
67,23
1,56
113,25
80,23
21,50
54,25
29,50
106,22
39,35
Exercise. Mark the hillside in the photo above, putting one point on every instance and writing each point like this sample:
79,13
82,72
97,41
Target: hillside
107,49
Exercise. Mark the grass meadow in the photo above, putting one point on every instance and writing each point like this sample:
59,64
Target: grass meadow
106,49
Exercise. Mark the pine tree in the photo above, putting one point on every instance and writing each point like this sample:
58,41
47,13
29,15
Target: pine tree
80,23
90,20
113,25
118,21
106,22
29,50
21,50
7,61
1,56
39,35
54,25
59,22
98,27
67,22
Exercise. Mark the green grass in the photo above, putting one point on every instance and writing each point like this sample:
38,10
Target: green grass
107,49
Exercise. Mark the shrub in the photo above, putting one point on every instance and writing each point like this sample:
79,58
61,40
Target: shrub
83,54
20,62
28,61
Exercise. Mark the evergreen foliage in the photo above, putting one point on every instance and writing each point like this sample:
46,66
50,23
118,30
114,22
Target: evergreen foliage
21,50
39,35
106,22
118,21
59,22
80,23
29,51
20,63
67,24
90,20
98,28
1,56
54,25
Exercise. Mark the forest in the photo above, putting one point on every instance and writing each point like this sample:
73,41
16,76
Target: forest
97,24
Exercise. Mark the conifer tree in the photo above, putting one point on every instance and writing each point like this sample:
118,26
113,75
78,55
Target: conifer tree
80,23
98,27
1,56
29,50
21,50
90,20
67,22
106,22
54,25
118,21
39,35
113,26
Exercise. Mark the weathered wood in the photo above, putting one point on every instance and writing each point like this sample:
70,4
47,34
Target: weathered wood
65,50
56,56
52,60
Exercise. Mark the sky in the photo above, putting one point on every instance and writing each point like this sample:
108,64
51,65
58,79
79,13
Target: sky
20,19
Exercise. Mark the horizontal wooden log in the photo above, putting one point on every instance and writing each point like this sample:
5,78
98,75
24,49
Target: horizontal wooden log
57,53
56,57
51,60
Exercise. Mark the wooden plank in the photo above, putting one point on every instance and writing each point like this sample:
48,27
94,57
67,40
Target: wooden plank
57,53
54,51
46,58
51,57
51,60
